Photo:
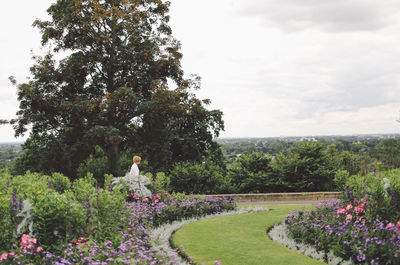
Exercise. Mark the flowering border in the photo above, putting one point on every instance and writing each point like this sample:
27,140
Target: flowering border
280,234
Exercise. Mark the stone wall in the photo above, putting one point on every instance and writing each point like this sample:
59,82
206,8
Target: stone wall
291,196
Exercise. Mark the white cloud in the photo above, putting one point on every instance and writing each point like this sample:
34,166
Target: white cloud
333,16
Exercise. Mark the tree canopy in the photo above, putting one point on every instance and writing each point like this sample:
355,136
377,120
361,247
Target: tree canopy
111,89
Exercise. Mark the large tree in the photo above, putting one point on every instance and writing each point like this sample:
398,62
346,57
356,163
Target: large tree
111,87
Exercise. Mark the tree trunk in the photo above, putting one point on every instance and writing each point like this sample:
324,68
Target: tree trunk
113,155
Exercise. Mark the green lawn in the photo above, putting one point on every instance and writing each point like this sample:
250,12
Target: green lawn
239,239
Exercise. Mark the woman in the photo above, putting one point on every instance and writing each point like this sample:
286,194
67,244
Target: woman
135,169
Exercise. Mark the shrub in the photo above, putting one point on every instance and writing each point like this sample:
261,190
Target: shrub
7,226
57,218
59,182
385,198
341,176
199,178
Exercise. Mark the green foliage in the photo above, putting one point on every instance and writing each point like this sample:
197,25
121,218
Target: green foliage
6,223
60,211
59,182
252,173
177,196
349,162
57,218
160,183
383,198
84,188
95,164
108,212
388,151
341,177
199,178
29,186
305,167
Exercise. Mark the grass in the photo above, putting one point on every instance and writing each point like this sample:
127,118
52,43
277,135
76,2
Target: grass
239,239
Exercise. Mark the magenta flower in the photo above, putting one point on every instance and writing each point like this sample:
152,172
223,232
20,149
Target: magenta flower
341,211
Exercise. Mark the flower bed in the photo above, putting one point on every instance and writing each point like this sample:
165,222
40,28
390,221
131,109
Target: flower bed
77,223
364,230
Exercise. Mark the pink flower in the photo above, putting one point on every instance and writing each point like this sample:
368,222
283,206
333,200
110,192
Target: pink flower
145,200
358,209
24,239
38,249
341,211
33,240
349,207
4,256
12,253
349,217
398,223
389,225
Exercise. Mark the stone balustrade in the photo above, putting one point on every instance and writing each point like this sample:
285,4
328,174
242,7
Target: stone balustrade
290,196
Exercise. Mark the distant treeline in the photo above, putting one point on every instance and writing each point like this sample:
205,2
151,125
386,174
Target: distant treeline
274,145
8,153
265,165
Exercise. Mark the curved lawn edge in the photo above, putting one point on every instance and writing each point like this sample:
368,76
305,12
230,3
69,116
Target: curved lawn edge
160,236
280,234
239,240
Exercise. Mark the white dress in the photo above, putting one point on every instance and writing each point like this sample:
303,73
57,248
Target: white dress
134,170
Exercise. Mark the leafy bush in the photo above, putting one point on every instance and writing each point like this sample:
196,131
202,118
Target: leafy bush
160,183
341,177
57,218
252,173
305,167
382,190
59,182
199,178
6,223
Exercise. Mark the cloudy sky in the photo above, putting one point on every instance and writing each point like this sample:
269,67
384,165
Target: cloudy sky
274,67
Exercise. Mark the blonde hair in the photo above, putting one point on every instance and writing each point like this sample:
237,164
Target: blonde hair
136,159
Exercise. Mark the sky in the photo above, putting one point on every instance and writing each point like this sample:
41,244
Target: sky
273,67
